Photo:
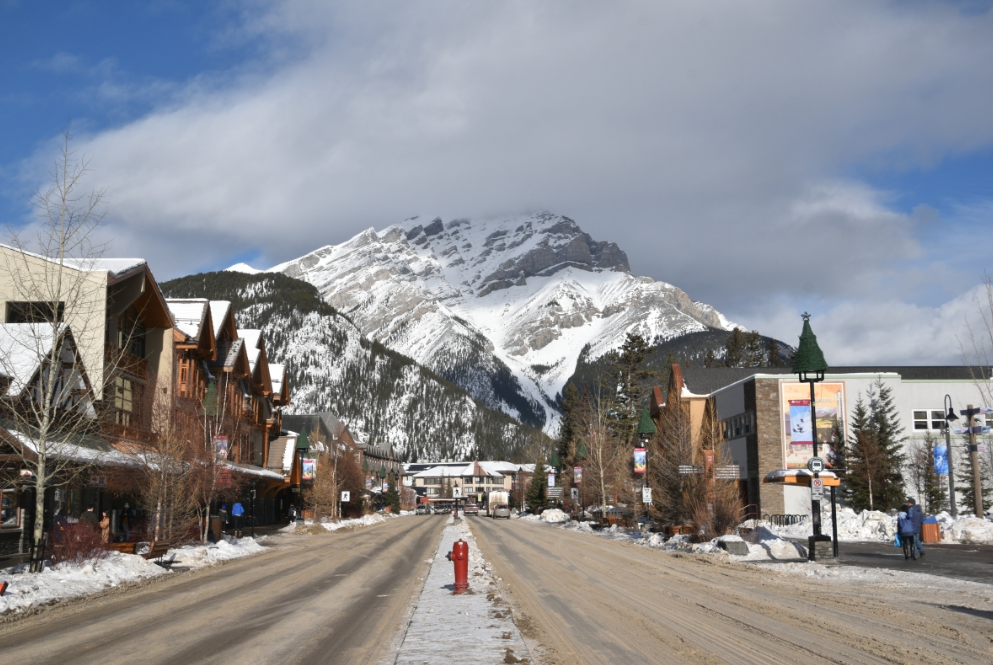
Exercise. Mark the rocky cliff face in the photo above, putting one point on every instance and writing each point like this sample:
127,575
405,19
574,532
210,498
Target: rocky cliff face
502,307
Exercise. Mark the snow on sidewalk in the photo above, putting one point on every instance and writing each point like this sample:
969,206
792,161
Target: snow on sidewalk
68,580
470,627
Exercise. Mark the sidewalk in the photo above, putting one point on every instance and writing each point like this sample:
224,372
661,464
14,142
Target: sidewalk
471,627
973,563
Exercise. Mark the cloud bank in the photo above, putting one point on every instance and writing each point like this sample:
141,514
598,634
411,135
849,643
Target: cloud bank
714,142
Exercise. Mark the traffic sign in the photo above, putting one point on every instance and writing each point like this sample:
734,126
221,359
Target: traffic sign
574,492
815,465
456,492
346,497
817,488
646,495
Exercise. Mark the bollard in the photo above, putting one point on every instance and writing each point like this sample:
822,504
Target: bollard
460,557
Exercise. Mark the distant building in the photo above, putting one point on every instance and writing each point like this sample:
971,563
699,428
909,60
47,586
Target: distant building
431,480
753,406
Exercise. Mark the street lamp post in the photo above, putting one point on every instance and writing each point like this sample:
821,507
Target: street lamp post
809,365
949,417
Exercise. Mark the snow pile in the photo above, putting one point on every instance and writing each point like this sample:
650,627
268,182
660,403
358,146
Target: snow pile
198,556
967,530
554,516
65,580
763,544
365,520
873,525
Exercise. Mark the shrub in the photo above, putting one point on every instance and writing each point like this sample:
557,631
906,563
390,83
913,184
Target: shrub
77,543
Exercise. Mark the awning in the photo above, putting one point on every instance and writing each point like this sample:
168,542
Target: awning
252,470
801,477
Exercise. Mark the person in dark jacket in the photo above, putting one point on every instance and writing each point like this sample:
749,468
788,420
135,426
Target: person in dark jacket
905,527
916,515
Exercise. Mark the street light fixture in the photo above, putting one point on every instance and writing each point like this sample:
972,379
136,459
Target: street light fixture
809,365
949,417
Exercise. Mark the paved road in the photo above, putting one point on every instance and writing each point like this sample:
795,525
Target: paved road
965,562
335,598
585,599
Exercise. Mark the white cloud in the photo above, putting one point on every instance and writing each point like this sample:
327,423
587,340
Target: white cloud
710,140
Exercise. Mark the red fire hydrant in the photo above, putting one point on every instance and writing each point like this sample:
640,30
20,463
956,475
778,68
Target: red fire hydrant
460,557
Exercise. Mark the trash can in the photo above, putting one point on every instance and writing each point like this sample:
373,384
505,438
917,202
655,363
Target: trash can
931,533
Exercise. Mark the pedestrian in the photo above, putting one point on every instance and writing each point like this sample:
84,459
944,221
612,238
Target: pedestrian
105,528
89,517
224,516
237,511
126,522
905,527
916,516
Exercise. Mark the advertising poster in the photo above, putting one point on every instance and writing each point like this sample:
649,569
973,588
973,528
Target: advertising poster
551,480
221,447
798,443
941,459
308,469
640,460
577,475
368,483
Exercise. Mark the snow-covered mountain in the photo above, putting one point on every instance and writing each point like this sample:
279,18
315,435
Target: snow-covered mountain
385,398
502,307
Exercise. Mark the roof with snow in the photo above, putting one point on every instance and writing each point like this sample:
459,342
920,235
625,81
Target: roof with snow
218,311
24,347
189,314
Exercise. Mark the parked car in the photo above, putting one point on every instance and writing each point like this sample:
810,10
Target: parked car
422,510
471,509
501,510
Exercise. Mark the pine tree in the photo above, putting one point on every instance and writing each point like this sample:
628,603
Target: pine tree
628,385
536,491
754,350
889,437
709,360
862,460
774,359
392,497
570,406
734,349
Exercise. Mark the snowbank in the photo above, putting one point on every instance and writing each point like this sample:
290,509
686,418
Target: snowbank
763,544
554,516
64,581
873,525
198,556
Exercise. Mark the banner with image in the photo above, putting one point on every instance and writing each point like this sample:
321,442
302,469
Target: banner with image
941,459
221,447
577,475
308,469
640,460
798,442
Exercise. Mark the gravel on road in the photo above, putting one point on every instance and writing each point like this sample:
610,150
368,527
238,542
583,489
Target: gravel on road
582,599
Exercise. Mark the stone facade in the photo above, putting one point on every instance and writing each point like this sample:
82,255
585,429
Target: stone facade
769,447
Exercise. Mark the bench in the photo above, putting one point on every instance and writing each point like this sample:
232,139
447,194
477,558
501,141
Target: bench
123,548
158,550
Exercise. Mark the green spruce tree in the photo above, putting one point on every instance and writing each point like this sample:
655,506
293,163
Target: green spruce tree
754,350
628,385
890,440
391,499
734,350
774,359
537,488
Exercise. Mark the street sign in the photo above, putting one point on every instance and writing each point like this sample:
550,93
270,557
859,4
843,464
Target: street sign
574,492
817,488
456,492
730,472
346,497
815,465
554,492
646,495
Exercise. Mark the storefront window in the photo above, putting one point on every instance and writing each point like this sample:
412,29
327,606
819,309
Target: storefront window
9,516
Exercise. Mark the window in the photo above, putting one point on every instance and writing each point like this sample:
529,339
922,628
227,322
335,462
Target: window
123,400
9,515
32,312
741,425
925,419
467,490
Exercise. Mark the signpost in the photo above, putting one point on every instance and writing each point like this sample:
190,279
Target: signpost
554,492
456,492
815,465
646,495
574,493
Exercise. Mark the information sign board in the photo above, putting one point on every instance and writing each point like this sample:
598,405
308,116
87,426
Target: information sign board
646,495
554,492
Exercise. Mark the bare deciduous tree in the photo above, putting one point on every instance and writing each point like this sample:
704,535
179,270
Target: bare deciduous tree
596,432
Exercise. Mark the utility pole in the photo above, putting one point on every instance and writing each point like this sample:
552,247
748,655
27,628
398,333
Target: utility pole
977,481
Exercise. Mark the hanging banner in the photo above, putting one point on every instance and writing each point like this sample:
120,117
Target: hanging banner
640,460
941,459
577,475
221,447
798,430
308,469
551,480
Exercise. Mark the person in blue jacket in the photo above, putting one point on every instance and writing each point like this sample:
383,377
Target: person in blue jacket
237,511
905,527
916,516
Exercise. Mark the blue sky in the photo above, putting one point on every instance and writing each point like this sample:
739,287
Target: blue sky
720,147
